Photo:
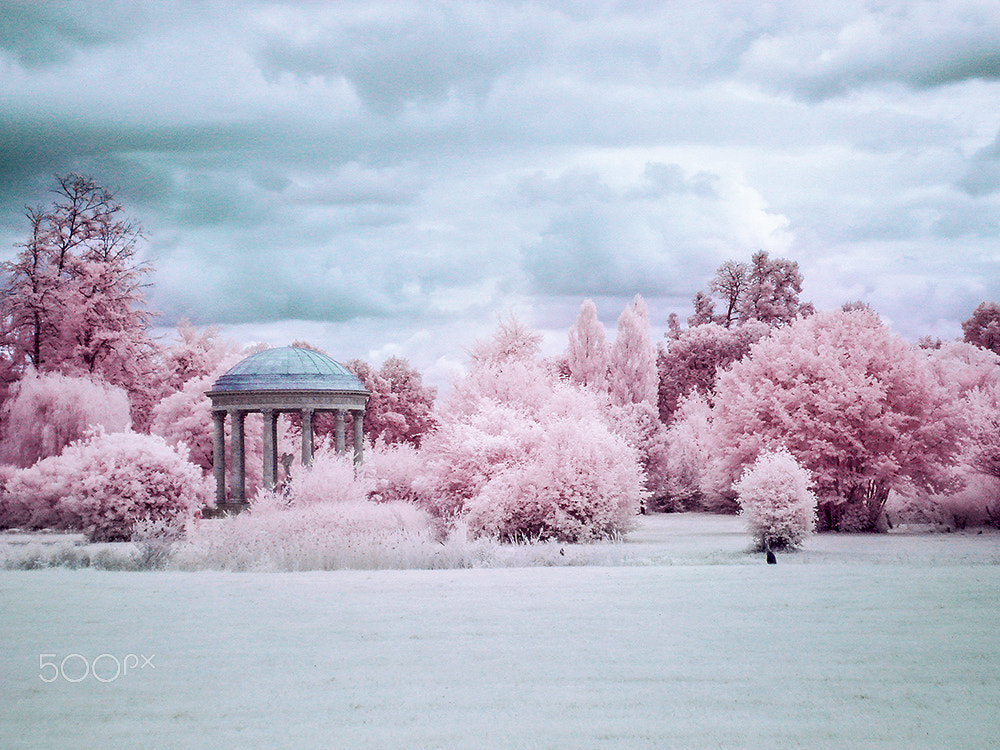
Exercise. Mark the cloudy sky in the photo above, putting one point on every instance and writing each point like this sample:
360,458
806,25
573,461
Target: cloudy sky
391,177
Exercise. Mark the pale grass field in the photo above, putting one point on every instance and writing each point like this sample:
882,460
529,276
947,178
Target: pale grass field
674,639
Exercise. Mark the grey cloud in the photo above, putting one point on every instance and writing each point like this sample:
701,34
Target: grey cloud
641,238
983,175
921,45
414,52
40,33
570,187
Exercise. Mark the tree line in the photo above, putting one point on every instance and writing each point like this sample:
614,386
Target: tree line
569,447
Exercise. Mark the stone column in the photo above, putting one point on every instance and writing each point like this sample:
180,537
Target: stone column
307,436
219,456
270,449
359,437
339,432
238,447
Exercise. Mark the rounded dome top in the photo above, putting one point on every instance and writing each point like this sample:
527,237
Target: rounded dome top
289,368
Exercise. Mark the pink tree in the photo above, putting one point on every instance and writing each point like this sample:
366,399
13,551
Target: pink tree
587,353
688,453
632,373
692,361
765,290
72,299
776,501
47,412
983,327
772,291
855,405
400,409
522,454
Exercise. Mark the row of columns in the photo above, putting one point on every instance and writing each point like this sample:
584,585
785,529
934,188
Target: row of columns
270,440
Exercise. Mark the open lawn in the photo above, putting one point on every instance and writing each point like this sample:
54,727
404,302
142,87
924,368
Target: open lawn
674,639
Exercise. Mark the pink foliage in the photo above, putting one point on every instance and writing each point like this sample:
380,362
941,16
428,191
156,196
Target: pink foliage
983,327
108,482
961,367
632,376
639,425
522,454
389,472
587,354
692,361
567,488
400,409
776,501
46,412
857,406
328,479
984,428
688,453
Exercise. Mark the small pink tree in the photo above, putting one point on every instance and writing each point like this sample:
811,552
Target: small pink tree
632,374
688,453
587,353
776,501
46,412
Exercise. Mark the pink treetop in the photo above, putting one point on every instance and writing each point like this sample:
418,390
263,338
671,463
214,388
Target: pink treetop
983,327
47,412
587,354
400,407
854,404
633,377
693,359
772,291
73,296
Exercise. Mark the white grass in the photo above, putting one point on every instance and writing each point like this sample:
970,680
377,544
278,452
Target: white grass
676,638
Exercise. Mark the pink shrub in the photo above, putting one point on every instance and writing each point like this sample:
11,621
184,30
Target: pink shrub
46,412
465,451
32,497
776,501
569,489
328,479
104,484
389,471
525,455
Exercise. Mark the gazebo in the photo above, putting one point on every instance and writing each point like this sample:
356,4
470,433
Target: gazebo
285,379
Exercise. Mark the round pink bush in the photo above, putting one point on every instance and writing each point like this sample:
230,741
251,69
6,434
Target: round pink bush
776,501
106,483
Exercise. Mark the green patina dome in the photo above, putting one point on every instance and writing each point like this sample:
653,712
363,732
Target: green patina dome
289,368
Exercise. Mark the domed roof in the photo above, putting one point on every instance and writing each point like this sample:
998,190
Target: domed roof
289,368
